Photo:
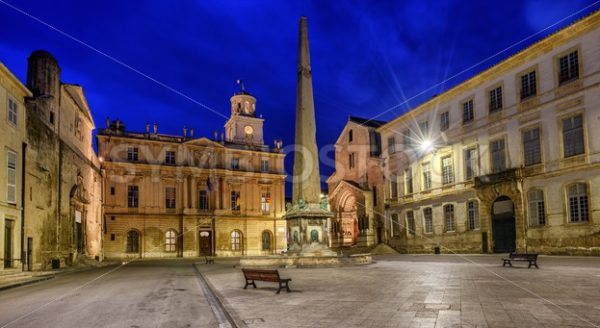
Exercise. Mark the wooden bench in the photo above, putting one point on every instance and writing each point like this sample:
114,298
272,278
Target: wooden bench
209,260
531,258
252,275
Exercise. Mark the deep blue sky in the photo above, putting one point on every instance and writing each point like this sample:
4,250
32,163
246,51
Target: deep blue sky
367,56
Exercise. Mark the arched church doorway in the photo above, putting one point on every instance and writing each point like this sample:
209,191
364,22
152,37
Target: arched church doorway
503,225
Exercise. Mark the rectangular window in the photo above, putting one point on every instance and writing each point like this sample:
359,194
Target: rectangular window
528,85
532,147
408,179
264,165
132,196
407,138
132,154
428,218
468,111
449,217
12,111
573,136
426,176
350,136
447,170
394,186
235,163
537,212
424,127
470,163
203,200
568,67
170,197
112,190
578,203
410,222
498,156
473,215
11,192
391,145
235,200
444,121
496,99
265,202
395,225
170,157
52,118
351,160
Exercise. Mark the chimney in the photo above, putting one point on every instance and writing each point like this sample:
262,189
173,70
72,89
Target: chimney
147,127
184,132
191,133
155,128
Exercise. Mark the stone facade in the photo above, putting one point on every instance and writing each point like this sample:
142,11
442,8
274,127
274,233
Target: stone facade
181,196
12,150
63,182
355,184
507,160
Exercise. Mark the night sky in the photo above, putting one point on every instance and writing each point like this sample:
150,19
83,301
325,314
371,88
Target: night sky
367,56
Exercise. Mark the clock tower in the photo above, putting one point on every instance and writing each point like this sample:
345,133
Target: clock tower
243,126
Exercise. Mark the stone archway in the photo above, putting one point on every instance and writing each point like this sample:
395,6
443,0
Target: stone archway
494,187
349,219
503,225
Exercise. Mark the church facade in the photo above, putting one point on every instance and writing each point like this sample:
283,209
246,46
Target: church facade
355,185
507,160
182,196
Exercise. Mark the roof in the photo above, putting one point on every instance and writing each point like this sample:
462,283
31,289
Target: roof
543,46
15,80
366,121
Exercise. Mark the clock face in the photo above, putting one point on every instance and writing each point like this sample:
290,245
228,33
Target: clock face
248,129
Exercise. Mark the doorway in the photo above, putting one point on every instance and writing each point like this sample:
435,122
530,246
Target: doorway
205,243
503,225
8,241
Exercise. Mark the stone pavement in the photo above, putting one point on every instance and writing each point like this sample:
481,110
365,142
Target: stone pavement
420,291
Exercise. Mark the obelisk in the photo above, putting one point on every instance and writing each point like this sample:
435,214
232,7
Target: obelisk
307,217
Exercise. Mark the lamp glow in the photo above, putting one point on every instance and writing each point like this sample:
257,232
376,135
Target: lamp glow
426,145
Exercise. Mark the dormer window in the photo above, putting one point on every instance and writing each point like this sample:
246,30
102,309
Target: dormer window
235,163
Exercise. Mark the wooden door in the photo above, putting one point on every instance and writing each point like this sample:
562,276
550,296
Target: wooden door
205,243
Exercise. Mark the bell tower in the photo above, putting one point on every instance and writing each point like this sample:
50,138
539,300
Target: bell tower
243,126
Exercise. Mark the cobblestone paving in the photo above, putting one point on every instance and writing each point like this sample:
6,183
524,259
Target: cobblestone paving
421,291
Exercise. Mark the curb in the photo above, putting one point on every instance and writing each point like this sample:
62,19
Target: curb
26,282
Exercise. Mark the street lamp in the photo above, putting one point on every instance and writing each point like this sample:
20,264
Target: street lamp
426,145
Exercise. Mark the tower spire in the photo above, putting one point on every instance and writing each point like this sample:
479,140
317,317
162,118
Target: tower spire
307,183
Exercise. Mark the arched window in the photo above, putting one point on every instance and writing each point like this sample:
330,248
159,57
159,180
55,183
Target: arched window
314,236
133,242
449,217
473,214
266,240
578,203
170,241
236,240
537,212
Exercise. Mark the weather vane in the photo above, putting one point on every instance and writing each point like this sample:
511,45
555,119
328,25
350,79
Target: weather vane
241,83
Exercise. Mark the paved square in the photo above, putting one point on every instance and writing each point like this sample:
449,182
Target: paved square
420,291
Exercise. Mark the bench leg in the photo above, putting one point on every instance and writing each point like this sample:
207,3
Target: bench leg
287,287
279,289
250,282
